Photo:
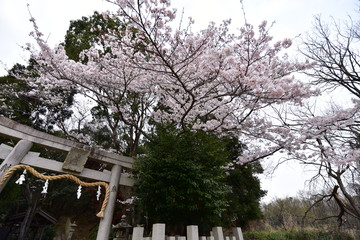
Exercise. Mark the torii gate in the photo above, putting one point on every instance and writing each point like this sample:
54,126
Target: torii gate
73,164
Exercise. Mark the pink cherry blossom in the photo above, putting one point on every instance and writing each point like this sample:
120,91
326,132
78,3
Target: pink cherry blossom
212,79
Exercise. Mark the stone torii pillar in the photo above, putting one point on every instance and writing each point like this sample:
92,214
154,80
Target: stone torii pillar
106,222
14,158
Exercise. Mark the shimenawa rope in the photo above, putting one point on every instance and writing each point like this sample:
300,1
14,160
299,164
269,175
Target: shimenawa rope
63,176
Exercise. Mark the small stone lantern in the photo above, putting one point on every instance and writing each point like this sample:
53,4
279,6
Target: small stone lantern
122,229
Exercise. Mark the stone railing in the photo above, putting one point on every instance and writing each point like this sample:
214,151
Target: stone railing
192,233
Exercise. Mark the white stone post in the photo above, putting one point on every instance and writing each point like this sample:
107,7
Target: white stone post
106,222
192,232
14,158
138,233
238,233
210,238
218,233
158,231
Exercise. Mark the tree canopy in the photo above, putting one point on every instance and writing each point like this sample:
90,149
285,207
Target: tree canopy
330,137
210,80
184,180
180,180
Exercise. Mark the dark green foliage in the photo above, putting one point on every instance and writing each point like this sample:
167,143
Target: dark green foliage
93,232
183,180
61,199
9,200
245,195
14,103
17,104
245,188
180,181
87,32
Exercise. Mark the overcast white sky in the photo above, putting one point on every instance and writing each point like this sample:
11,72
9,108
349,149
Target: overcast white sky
292,17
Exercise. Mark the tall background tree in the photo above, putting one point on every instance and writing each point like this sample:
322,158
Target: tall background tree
16,103
328,139
180,180
334,49
186,179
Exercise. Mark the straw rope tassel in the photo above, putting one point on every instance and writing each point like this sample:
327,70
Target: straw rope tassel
67,176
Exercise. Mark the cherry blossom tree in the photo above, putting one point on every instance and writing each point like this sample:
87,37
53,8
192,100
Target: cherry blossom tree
328,142
213,79
329,139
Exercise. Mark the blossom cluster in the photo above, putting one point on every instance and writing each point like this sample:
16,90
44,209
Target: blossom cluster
213,79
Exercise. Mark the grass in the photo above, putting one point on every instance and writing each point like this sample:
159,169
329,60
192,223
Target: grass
296,235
